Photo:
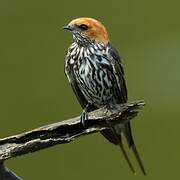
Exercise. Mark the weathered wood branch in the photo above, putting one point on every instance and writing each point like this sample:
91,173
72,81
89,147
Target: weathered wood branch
6,174
64,132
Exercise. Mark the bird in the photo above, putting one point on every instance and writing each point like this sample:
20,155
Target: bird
95,71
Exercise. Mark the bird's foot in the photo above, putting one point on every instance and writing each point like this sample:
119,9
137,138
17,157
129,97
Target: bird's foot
84,114
108,108
84,117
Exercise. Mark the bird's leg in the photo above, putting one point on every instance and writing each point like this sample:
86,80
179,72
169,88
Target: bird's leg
84,114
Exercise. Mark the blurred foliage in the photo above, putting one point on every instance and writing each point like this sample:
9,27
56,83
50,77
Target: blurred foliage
34,90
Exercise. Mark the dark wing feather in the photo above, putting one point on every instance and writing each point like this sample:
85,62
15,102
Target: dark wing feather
114,134
118,71
126,128
119,74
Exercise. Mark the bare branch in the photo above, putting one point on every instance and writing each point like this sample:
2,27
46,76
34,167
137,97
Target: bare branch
65,131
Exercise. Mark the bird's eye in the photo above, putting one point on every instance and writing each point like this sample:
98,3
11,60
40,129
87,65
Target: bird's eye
83,27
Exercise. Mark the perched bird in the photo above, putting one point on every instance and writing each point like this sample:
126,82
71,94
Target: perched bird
95,72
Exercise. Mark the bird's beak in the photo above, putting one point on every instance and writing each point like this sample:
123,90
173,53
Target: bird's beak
68,27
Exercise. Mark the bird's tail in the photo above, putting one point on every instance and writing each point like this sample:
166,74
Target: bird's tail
126,157
114,135
130,140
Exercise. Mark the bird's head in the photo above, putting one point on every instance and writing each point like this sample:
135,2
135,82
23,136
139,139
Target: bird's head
88,30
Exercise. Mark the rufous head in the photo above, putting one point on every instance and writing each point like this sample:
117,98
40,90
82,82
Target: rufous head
90,28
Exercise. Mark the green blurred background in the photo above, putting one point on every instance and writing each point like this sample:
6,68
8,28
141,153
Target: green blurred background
34,90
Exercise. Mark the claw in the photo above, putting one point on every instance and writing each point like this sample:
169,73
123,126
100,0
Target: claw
84,117
108,109
84,114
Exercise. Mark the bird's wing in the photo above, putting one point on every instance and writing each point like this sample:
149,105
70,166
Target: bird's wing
117,131
118,71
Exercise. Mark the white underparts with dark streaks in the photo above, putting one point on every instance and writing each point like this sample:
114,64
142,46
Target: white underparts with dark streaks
91,67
